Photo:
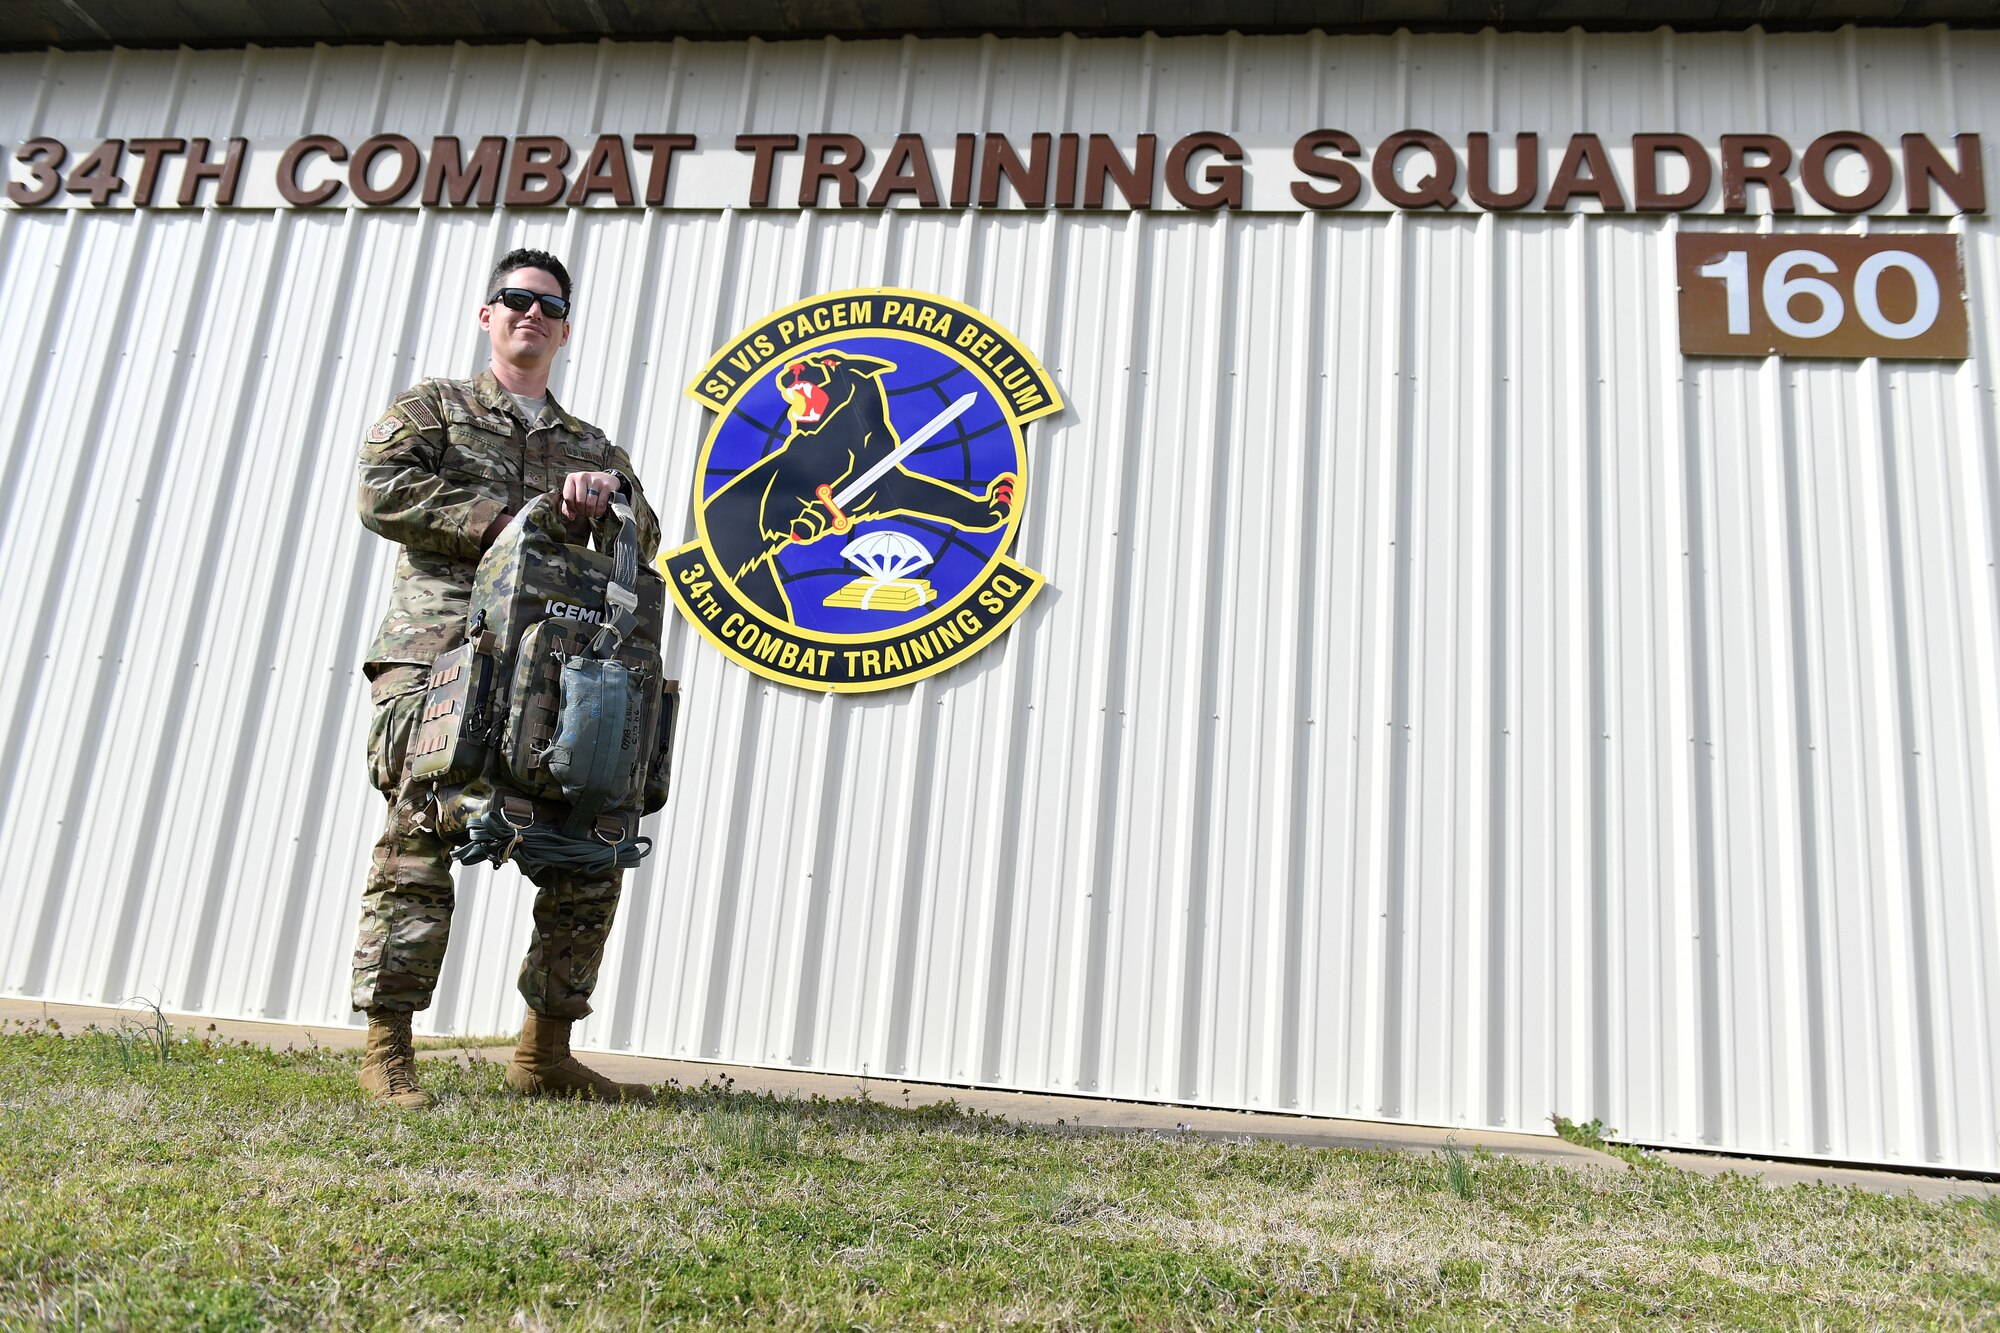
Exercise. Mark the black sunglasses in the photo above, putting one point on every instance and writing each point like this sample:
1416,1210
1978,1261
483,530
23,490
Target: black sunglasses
520,298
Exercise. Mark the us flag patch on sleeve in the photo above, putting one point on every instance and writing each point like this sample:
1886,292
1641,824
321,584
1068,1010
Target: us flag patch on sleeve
413,406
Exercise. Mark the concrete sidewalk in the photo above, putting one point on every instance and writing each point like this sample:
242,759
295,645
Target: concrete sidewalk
1091,1113
1044,1109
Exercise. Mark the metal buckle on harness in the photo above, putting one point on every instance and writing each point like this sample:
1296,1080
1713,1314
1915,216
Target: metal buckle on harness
518,814
609,829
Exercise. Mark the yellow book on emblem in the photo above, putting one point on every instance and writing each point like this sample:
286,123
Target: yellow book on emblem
883,595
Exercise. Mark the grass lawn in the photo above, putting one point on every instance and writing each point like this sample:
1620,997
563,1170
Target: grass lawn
225,1186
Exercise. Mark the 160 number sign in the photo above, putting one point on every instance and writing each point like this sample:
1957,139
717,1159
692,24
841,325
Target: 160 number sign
1829,296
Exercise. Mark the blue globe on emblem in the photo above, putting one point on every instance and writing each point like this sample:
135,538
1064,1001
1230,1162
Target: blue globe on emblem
884,572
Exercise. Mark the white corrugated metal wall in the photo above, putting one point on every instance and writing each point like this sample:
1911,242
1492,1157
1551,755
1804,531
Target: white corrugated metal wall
1447,704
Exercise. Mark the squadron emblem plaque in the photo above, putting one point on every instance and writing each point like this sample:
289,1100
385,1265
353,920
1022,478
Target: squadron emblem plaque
859,488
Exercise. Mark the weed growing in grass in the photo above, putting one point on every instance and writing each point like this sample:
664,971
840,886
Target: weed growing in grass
1595,1134
1590,1134
133,1041
1456,1171
135,1038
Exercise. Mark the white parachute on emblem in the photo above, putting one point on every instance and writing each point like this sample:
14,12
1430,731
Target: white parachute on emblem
885,554
886,559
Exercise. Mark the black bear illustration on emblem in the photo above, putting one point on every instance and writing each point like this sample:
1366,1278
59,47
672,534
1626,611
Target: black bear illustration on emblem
839,432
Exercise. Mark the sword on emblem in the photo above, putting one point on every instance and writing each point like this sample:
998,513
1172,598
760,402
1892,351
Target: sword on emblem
836,501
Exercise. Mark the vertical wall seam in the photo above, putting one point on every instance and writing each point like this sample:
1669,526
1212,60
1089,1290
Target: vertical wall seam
1410,278
1910,733
1106,752
1299,803
1207,704
1501,573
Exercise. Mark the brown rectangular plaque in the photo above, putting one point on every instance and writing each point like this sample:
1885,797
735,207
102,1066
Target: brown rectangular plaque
1802,294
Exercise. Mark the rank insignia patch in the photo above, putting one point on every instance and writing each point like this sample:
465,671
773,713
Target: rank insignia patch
859,488
385,429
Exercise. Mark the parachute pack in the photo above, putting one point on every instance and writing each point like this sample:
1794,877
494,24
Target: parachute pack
550,730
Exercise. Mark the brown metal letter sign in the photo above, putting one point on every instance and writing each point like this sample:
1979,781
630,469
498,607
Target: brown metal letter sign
1817,295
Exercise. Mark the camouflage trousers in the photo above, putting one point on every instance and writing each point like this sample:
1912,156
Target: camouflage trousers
406,907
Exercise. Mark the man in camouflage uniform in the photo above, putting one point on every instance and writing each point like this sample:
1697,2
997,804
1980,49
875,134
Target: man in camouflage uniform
441,474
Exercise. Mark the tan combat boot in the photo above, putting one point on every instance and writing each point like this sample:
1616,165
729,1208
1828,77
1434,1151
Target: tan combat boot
543,1067
389,1071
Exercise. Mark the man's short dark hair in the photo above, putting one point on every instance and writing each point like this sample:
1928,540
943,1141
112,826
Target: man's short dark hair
540,259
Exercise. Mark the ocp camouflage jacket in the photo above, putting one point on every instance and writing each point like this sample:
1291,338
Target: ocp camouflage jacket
448,458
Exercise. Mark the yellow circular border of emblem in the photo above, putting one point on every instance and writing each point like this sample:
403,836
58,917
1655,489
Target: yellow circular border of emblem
718,388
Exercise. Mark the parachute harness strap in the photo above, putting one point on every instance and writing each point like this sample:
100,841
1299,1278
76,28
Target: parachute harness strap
621,596
491,836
